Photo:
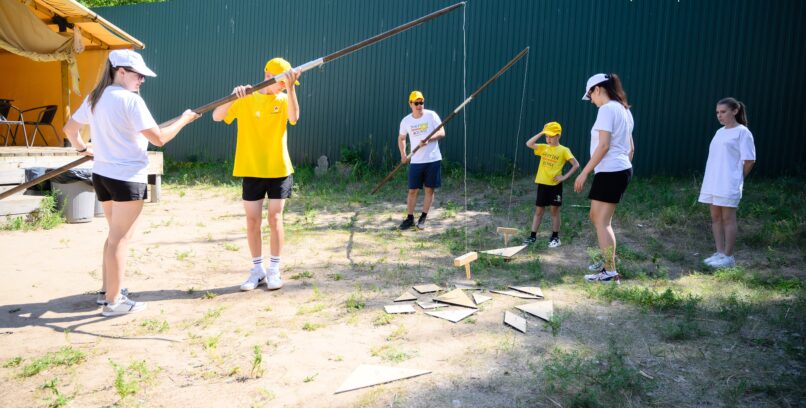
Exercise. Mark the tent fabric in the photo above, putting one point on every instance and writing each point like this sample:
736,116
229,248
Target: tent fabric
24,34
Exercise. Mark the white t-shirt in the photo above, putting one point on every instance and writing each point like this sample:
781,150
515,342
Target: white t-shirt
115,124
613,117
724,170
418,129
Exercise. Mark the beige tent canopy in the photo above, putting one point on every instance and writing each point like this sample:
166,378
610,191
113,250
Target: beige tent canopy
47,47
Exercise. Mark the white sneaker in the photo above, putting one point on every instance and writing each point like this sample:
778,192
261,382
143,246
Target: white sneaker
554,242
596,266
724,262
101,299
604,276
256,278
712,258
123,306
274,281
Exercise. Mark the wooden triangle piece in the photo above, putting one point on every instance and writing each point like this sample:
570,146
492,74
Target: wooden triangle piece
466,284
508,252
430,305
532,290
479,299
369,375
453,315
456,297
405,297
543,309
517,322
395,309
427,288
515,293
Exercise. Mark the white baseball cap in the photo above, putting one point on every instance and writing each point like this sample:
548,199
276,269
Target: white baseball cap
593,81
131,59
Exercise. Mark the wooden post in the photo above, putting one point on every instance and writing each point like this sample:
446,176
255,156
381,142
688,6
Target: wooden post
506,232
465,260
65,99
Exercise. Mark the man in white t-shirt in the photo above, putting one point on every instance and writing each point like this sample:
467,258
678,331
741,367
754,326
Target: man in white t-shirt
425,170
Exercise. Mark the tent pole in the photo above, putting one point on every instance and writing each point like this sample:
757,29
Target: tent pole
65,102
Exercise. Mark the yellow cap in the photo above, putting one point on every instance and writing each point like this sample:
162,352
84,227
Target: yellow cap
552,129
414,95
277,66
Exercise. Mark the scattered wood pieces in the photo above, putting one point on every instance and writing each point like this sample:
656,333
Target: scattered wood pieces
369,375
515,293
532,290
543,309
397,309
517,322
479,298
454,315
405,297
465,260
430,305
428,288
507,253
456,297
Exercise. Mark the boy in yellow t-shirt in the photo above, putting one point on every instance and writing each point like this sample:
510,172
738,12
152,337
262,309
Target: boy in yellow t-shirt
261,158
549,179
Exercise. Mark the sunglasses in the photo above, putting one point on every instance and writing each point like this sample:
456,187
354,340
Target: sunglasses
139,75
418,103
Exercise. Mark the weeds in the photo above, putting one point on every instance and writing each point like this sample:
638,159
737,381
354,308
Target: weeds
129,379
257,362
382,319
645,298
66,356
44,218
155,326
302,275
355,302
391,354
311,326
59,399
734,311
12,362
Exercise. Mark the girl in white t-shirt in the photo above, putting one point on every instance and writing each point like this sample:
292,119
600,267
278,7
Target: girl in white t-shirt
121,128
611,160
730,157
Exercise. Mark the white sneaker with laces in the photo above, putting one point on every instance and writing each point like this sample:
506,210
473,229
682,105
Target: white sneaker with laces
554,242
713,258
256,278
604,276
724,262
596,266
273,280
101,300
123,306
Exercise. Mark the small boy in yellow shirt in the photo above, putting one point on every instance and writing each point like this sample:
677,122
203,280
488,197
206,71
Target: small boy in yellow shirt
549,179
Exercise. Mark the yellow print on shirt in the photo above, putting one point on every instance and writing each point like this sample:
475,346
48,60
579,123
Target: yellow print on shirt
416,130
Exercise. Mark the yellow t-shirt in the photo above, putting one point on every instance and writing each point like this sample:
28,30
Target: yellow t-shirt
552,160
261,149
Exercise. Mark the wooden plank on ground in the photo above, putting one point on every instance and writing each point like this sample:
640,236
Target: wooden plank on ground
515,293
405,297
454,314
397,309
508,252
532,290
369,375
456,297
543,309
517,322
427,288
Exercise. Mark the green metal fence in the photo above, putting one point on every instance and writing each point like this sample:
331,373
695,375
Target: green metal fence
676,59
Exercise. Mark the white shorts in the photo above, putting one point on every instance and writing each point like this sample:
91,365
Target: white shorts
719,201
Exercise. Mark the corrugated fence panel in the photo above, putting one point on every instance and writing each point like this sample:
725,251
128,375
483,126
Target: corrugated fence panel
676,59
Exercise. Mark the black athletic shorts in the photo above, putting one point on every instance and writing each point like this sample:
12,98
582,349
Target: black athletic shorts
116,190
609,186
549,195
257,188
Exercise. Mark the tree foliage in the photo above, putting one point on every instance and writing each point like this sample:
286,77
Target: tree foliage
110,3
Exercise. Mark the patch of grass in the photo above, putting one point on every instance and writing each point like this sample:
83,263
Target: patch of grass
257,362
209,295
450,209
582,380
59,399
231,247
555,324
355,302
308,309
211,343
309,378
336,276
784,284
44,218
390,353
209,317
397,334
12,362
182,255
155,326
646,298
308,326
66,356
382,319
685,327
734,311
302,275
128,380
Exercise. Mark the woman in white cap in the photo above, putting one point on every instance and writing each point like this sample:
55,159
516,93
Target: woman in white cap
121,127
611,161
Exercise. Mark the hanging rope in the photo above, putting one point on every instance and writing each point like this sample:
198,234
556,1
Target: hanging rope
517,142
464,113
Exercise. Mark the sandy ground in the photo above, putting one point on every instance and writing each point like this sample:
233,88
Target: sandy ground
187,259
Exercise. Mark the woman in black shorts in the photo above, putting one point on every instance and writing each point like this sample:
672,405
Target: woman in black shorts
611,160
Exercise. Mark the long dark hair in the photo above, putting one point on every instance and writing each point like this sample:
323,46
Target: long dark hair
733,103
614,89
106,78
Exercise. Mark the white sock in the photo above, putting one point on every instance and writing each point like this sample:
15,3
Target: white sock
257,264
274,263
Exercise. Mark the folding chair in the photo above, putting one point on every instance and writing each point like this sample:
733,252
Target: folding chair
5,111
44,118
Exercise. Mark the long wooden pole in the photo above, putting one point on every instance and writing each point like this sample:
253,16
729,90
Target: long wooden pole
451,116
212,105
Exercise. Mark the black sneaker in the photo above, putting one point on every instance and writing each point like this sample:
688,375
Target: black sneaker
406,224
529,241
421,223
